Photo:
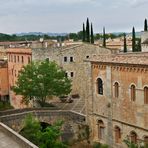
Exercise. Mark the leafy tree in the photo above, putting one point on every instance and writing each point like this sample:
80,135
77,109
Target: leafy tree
92,35
125,46
40,80
84,33
73,36
47,138
145,25
87,31
133,40
104,38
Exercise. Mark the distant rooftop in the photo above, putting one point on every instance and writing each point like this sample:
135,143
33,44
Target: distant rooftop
19,50
140,58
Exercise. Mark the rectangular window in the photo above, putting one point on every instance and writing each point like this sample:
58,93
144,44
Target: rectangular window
72,74
22,59
66,74
18,59
71,59
65,59
15,59
11,58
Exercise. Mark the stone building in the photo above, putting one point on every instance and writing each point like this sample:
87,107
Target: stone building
117,106
4,89
144,41
17,58
71,59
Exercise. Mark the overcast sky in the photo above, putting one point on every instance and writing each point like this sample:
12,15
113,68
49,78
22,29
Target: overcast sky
68,15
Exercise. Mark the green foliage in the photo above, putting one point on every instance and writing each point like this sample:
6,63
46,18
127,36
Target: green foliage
47,138
99,145
5,105
125,46
131,144
87,31
31,129
84,35
92,35
104,38
145,25
41,80
133,40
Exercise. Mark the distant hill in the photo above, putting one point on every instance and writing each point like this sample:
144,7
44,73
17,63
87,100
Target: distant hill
41,34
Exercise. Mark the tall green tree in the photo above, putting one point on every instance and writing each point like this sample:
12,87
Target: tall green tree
125,46
84,36
104,37
133,40
92,34
40,81
87,31
145,25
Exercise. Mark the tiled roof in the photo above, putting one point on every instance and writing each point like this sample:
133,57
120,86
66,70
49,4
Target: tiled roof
19,50
127,58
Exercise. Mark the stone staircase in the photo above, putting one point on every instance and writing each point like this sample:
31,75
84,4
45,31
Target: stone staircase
78,105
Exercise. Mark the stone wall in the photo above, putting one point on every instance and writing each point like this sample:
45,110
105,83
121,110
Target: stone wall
77,67
122,112
71,120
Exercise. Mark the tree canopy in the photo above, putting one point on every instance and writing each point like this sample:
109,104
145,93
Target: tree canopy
40,80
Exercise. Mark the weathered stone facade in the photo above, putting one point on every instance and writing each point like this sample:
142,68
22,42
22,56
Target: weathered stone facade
71,59
112,106
17,58
144,41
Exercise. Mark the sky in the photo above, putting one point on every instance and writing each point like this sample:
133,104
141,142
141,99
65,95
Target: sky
68,15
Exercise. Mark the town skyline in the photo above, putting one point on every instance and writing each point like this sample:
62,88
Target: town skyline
68,16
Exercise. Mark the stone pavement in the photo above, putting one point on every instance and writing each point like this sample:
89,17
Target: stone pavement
7,142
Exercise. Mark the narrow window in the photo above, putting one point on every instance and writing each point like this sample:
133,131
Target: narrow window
71,59
22,59
145,95
146,141
18,59
133,93
11,58
30,60
133,137
15,59
116,90
66,74
117,134
101,128
72,74
87,57
100,86
65,59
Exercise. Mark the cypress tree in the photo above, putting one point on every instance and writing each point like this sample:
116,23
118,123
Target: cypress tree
87,31
104,37
84,33
133,40
125,46
92,34
145,25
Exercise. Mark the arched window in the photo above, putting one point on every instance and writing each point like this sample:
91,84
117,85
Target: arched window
101,128
133,137
100,86
145,95
133,92
146,141
117,134
116,89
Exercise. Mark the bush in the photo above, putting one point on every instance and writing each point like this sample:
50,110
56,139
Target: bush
5,105
99,145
